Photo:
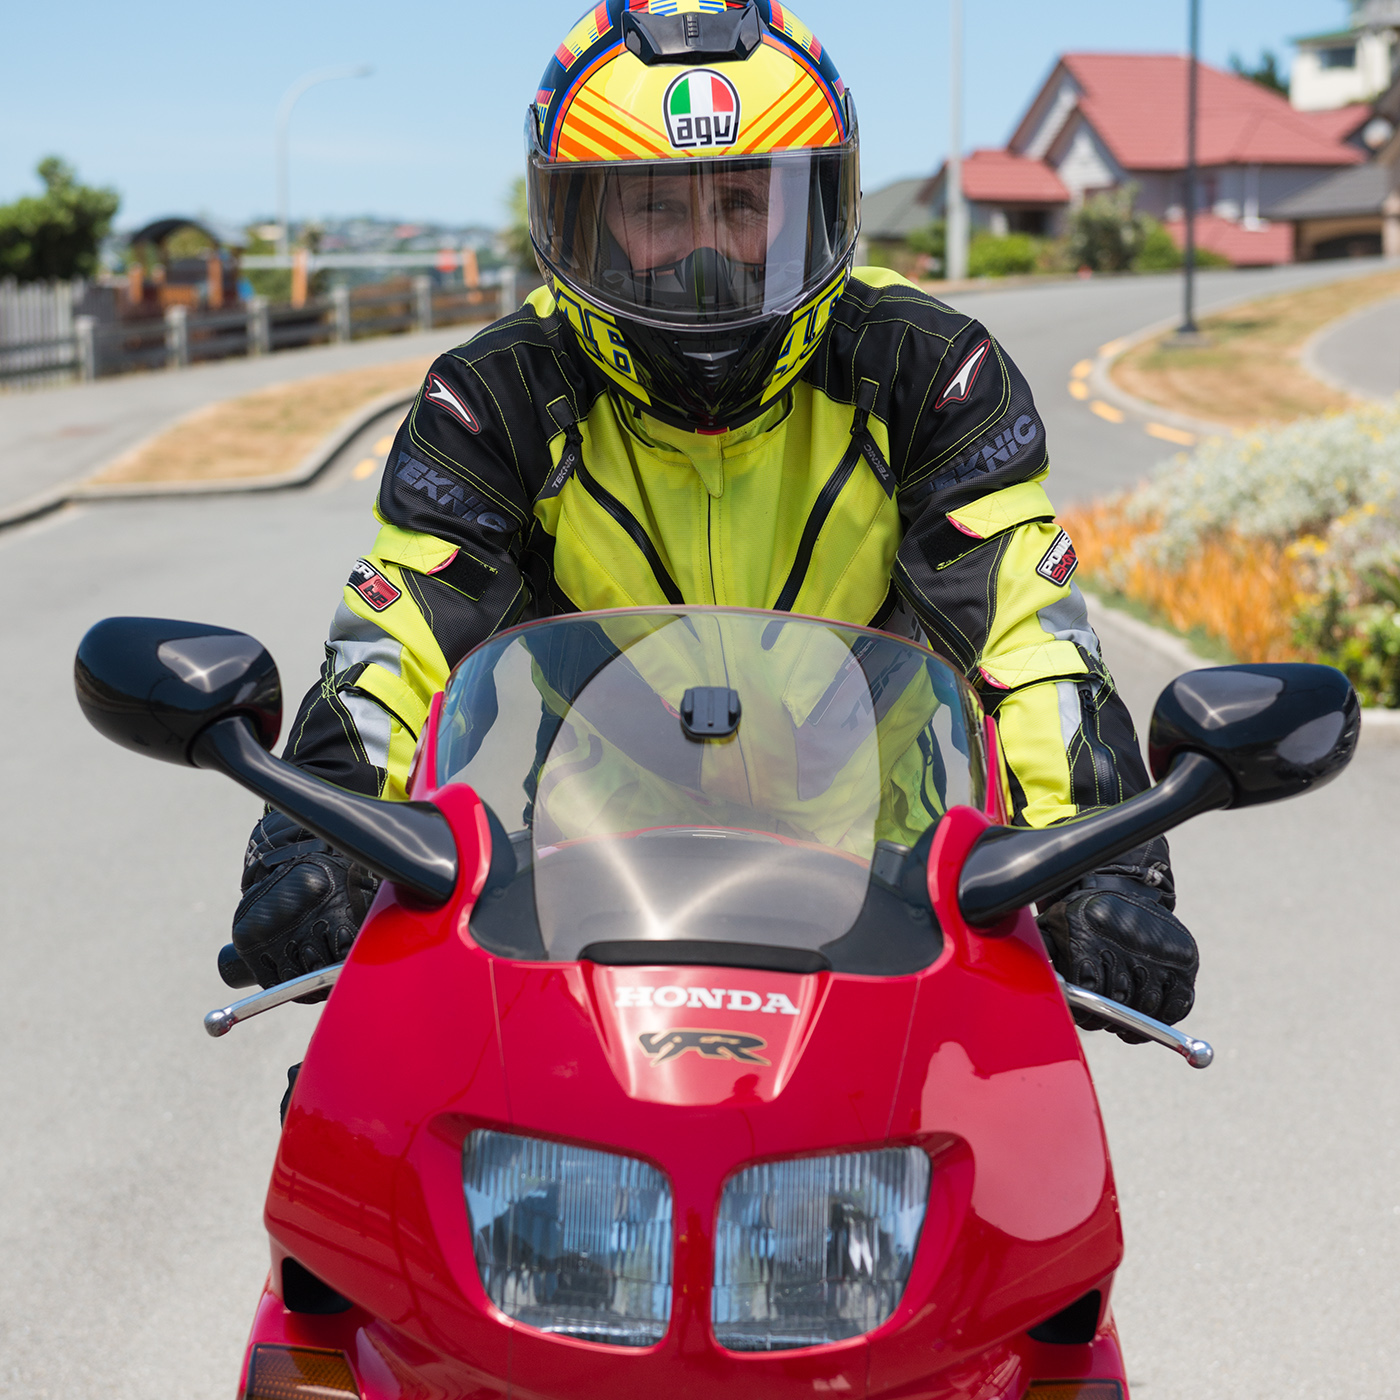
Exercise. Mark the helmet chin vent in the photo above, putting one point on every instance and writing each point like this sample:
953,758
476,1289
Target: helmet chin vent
694,38
711,367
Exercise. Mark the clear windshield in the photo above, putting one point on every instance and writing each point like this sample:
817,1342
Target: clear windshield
831,751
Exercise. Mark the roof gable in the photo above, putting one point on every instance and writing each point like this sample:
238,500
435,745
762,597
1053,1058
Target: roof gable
1136,104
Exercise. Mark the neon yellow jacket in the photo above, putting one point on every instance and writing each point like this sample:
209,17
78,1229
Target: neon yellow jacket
899,484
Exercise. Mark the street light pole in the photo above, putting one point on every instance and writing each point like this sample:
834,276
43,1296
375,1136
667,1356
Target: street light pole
284,114
1188,321
955,233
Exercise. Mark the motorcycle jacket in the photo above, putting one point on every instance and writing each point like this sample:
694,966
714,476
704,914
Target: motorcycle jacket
899,483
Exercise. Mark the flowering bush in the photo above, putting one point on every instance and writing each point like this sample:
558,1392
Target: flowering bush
1285,542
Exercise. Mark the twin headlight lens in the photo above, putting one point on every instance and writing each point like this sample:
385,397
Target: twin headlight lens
579,1242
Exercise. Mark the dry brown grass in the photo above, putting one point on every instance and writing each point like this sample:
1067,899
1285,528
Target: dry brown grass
1250,375
1245,592
262,434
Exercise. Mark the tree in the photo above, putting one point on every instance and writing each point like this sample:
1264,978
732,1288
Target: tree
1106,233
1266,74
55,235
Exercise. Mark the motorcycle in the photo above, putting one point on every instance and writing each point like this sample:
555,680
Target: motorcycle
700,1039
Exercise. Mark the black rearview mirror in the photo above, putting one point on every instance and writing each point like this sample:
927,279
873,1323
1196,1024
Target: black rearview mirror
1229,736
154,686
1277,730
188,693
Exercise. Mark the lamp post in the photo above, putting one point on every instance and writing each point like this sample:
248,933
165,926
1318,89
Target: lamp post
284,114
1188,320
955,235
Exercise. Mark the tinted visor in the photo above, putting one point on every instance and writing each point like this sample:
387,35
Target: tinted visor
701,242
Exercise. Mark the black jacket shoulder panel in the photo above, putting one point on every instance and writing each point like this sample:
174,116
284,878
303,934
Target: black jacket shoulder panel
481,423
960,416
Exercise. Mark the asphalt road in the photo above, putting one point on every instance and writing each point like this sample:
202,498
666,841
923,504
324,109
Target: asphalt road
1261,1198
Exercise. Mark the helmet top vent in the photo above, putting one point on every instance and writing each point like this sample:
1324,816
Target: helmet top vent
693,38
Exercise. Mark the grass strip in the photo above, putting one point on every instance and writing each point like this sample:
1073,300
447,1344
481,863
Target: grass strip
1249,373
261,434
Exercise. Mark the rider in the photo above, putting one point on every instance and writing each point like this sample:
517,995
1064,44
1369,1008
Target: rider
708,404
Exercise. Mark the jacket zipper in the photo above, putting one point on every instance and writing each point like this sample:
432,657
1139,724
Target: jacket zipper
571,463
633,527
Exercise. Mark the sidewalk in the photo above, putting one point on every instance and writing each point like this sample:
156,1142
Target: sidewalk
1361,353
50,438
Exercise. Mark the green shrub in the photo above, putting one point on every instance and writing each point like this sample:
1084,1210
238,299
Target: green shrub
1002,255
931,242
1106,233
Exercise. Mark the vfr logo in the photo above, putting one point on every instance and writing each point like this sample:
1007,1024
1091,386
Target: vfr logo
660,1046
705,999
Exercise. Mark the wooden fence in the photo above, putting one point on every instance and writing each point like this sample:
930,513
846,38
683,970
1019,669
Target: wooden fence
45,338
37,340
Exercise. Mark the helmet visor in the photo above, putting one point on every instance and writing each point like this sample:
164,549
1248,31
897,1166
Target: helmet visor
700,242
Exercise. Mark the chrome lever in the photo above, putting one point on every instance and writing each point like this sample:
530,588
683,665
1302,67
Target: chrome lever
223,1019
1197,1053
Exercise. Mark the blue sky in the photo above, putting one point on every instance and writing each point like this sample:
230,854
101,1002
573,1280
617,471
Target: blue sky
174,104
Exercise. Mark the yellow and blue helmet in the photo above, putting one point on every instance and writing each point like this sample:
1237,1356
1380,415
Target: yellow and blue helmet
694,187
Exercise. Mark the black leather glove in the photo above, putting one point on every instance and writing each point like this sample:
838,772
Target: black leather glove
303,903
1114,933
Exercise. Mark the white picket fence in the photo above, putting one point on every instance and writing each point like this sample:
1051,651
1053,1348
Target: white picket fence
37,344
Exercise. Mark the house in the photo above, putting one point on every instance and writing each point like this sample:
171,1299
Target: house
1348,66
1101,121
1355,212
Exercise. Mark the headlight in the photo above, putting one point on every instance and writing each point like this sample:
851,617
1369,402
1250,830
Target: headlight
817,1250
571,1241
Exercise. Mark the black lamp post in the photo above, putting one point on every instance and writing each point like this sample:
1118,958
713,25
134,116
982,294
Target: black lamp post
1188,323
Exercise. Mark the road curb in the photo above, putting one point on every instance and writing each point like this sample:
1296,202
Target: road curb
1101,382
1100,378
1377,725
303,474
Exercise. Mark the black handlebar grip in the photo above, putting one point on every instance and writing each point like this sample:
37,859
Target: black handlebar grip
233,969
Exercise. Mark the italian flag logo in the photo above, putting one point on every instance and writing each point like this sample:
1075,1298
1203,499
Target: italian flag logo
702,111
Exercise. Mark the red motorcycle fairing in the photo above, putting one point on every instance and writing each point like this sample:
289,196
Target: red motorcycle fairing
428,1036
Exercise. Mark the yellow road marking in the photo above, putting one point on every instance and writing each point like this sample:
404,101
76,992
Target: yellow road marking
383,445
1078,389
1176,435
366,468
1106,411
1082,370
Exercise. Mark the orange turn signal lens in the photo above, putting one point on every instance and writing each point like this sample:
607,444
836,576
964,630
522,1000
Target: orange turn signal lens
299,1373
1075,1390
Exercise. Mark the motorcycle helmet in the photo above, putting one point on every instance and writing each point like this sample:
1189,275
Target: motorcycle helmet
694,197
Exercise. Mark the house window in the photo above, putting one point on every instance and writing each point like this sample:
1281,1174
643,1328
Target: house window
1343,56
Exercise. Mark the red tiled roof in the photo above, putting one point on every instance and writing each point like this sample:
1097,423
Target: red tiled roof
1137,105
1245,247
1340,123
1001,177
